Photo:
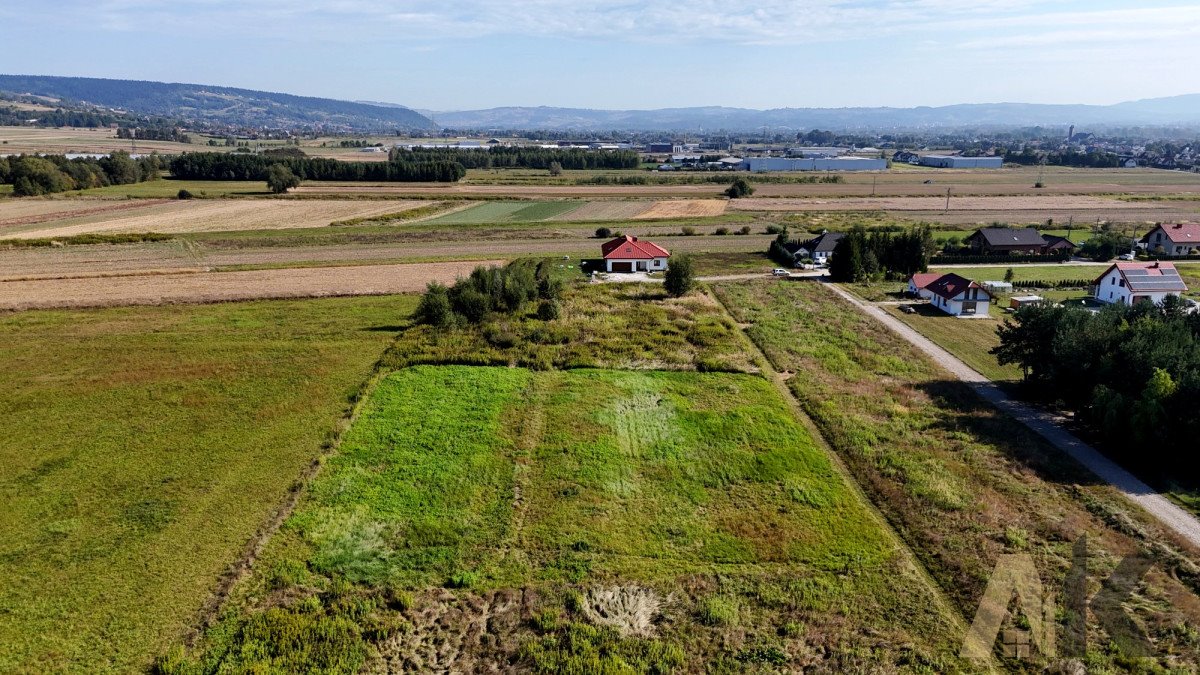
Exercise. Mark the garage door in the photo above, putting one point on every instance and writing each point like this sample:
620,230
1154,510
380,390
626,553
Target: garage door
622,267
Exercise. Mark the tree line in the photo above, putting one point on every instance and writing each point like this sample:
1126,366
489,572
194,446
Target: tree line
230,166
154,133
492,290
1131,372
1093,159
522,157
39,175
860,256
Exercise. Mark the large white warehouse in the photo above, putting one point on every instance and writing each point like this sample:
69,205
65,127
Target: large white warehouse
956,162
814,164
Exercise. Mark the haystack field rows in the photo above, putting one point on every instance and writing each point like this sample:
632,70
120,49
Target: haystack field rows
14,212
936,204
597,211
685,208
183,286
176,217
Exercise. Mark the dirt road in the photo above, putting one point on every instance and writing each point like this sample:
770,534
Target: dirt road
190,286
1173,517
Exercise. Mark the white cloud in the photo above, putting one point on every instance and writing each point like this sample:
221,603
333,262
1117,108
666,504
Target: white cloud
775,22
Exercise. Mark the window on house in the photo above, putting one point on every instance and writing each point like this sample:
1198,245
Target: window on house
1122,283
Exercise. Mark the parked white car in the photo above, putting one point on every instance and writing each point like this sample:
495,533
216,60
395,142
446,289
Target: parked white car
780,272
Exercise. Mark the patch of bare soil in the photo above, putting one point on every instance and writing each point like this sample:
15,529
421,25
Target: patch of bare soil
226,286
15,212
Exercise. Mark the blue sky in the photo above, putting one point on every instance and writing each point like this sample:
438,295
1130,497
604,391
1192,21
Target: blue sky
466,54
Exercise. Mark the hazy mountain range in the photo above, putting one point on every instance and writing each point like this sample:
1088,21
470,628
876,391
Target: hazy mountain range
246,107
1176,110
225,105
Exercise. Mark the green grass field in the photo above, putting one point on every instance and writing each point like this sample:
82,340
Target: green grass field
143,447
961,482
1027,272
583,489
968,339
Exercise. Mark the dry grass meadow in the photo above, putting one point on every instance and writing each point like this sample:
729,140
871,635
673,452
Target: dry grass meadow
197,215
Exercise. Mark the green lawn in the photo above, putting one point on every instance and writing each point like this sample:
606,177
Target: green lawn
960,481
1027,272
564,487
968,339
143,447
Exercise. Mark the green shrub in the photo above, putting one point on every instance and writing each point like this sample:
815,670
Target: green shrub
745,229
184,194
721,231
549,310
462,580
603,233
740,188
688,231
681,277
717,610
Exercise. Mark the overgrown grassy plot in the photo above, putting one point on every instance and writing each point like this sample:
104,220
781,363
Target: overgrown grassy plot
968,339
143,447
588,521
962,483
602,325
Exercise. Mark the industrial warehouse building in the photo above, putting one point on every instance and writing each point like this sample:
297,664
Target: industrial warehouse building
814,164
956,162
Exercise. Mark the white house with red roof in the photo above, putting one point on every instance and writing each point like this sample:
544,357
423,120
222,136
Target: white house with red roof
959,296
630,254
1132,282
918,284
1173,239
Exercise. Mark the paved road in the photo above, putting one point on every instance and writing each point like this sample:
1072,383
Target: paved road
1180,521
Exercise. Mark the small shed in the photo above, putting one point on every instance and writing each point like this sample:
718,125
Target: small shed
998,286
1019,301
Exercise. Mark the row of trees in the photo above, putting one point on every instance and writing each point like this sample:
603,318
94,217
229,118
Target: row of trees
154,133
1131,372
860,256
522,157
1093,159
233,166
40,175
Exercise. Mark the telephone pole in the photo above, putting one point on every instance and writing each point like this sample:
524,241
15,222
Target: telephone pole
947,200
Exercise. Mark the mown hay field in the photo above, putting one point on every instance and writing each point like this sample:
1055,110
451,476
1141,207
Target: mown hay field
142,449
210,215
583,521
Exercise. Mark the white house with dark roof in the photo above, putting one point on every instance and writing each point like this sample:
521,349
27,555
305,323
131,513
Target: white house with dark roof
1132,282
820,248
959,296
1173,239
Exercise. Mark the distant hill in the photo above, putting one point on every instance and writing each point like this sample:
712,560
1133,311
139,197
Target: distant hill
1177,110
224,105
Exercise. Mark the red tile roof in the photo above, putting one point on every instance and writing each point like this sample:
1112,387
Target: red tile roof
923,279
1180,233
631,248
951,285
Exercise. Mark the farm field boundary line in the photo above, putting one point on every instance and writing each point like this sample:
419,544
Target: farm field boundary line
109,275
779,381
1171,516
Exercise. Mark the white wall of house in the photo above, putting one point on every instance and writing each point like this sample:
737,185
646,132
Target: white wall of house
1112,288
971,302
642,265
1159,238
920,292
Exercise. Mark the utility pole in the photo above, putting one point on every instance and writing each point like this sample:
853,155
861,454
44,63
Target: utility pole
874,179
947,200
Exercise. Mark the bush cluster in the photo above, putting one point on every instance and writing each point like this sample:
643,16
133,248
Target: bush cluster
491,290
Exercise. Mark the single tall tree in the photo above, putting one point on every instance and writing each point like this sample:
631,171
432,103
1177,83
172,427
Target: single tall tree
280,179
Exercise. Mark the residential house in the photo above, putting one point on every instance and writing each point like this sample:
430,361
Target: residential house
819,248
1173,239
959,296
630,254
1002,240
1132,282
918,285
992,240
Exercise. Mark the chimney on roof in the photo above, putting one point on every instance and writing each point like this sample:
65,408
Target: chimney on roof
1155,265
1178,226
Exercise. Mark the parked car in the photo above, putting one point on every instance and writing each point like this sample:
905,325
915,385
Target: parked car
908,309
780,272
1126,256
